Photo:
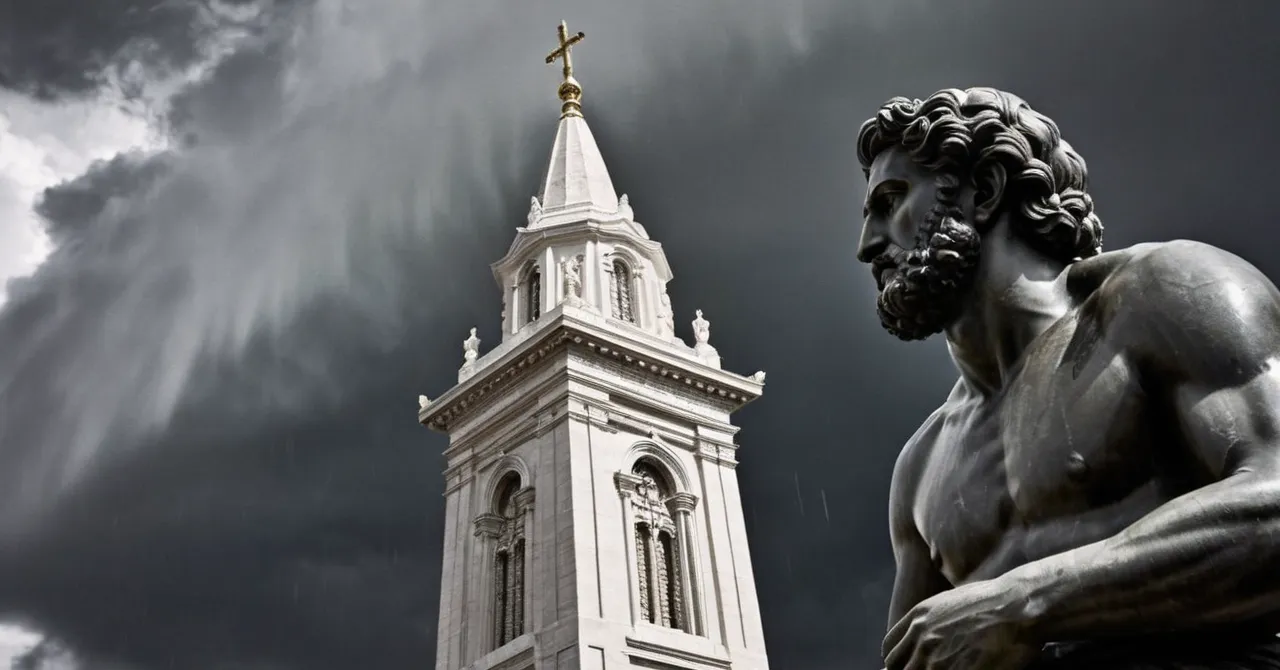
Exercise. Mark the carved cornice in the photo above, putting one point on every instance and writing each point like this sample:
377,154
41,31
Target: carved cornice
718,454
682,502
488,525
626,483
524,498
492,379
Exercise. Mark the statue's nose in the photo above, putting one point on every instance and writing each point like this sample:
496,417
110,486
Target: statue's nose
873,241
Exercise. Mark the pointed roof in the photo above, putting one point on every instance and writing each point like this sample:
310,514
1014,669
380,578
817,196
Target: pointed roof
577,183
576,175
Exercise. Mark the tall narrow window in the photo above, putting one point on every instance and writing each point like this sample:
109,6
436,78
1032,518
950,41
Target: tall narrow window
508,577
532,294
658,567
620,292
644,570
672,615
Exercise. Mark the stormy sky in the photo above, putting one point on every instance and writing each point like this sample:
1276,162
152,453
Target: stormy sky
266,227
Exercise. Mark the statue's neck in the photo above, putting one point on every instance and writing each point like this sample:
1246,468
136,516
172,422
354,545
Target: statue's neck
1017,294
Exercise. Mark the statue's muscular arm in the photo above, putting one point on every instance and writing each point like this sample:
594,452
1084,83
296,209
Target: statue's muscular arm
1202,327
917,576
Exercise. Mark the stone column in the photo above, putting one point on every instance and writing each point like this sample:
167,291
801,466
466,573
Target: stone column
643,300
514,312
626,484
591,276
606,286
682,506
524,499
550,282
487,528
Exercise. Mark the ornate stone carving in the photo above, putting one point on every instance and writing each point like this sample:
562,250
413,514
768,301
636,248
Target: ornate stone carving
622,291
571,269
524,499
658,538
758,377
666,318
702,341
626,483
470,352
452,409
682,502
701,328
535,210
507,547
488,525
471,348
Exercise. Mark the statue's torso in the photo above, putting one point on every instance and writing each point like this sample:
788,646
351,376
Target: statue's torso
1073,451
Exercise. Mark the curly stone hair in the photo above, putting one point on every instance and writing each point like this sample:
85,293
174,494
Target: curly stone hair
973,132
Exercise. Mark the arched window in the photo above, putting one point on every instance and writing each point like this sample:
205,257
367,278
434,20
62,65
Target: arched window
621,288
658,567
532,294
508,566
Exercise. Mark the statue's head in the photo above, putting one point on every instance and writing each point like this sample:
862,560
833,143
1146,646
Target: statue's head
940,173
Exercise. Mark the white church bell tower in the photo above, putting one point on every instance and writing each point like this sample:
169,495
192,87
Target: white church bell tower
592,512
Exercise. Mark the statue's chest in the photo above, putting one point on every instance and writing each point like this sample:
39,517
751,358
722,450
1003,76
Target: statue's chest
1074,425
1066,437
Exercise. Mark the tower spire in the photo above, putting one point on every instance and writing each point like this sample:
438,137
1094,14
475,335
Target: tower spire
570,90
577,183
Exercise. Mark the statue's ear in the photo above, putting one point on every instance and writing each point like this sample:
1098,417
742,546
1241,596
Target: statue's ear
989,190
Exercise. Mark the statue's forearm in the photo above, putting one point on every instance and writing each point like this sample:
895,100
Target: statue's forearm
1208,557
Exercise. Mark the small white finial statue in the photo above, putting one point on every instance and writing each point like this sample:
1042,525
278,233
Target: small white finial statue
666,318
758,377
572,269
423,401
470,352
702,341
470,348
535,209
701,328
624,207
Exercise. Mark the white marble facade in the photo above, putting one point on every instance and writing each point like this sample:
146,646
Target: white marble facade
593,517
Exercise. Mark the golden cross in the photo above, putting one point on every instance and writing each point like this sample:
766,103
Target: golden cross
566,44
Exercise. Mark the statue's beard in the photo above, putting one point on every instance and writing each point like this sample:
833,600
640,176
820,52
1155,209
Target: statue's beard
925,293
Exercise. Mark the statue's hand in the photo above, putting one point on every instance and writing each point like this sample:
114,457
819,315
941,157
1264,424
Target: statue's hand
977,626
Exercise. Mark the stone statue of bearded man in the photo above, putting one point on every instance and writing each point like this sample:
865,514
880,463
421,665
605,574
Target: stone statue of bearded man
1101,489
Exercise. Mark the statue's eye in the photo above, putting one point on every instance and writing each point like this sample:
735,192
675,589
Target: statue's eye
887,202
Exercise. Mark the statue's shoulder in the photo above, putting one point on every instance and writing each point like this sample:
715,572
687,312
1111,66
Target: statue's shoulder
1180,289
1161,274
1150,261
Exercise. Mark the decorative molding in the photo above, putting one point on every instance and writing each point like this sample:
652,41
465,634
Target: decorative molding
666,460
680,654
506,464
719,455
524,498
488,525
492,379
682,501
626,483
519,655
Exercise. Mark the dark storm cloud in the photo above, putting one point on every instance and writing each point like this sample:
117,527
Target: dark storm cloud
54,48
72,205
206,395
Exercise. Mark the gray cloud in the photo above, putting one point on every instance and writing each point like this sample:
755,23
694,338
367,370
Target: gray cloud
57,48
207,449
